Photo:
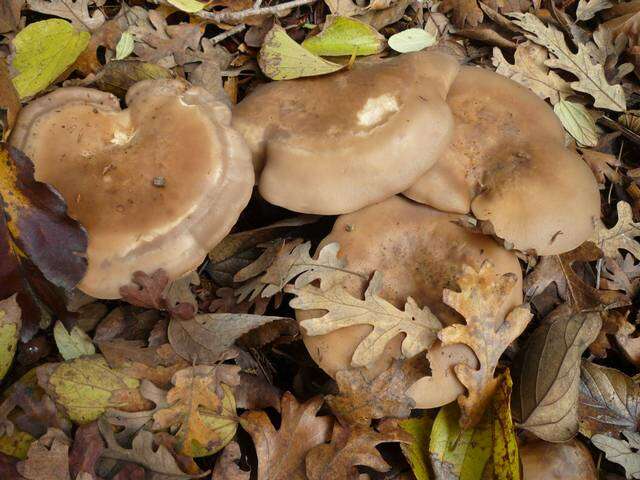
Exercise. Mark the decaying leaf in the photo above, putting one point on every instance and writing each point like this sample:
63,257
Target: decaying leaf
209,338
142,452
603,165
10,323
559,269
202,408
349,448
343,310
576,120
609,401
362,398
488,450
86,450
72,344
465,12
281,58
153,291
625,453
590,73
546,396
587,9
487,333
118,76
281,453
9,99
86,387
43,51
344,36
48,458
621,236
226,468
414,451
76,11
39,243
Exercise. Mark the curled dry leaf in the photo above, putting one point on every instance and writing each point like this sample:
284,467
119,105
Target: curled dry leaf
362,399
48,458
39,243
487,333
227,468
343,310
86,450
609,401
202,408
625,453
546,397
349,448
281,453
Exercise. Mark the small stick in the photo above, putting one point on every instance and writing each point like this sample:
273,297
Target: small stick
228,33
250,12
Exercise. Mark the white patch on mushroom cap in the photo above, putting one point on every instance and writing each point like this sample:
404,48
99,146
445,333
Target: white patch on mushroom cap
376,109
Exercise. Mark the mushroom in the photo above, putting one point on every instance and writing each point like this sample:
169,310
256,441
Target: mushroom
419,251
337,143
156,185
508,164
556,461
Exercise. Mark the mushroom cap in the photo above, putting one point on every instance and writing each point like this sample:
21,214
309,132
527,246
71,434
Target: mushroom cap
336,143
420,251
507,163
556,461
156,185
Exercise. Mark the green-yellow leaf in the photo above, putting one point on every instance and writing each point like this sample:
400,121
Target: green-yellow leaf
17,444
124,47
87,386
281,58
411,40
72,344
576,120
44,50
344,36
416,452
10,323
488,450
189,6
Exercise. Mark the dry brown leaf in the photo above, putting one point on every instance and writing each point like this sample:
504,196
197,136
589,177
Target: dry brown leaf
86,451
349,448
614,324
362,399
488,334
255,393
343,310
226,468
603,165
10,15
202,408
76,11
465,12
156,292
48,458
281,453
623,19
558,269
621,236
9,101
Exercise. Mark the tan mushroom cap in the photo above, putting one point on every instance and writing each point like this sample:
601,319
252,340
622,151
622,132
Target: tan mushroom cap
156,185
508,164
336,143
420,251
556,461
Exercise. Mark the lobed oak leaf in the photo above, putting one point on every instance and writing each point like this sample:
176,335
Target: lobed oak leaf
226,467
465,12
48,458
587,9
349,448
76,11
281,453
157,292
343,310
625,453
487,333
619,237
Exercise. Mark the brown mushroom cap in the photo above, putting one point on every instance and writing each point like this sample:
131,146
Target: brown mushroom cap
419,251
156,185
556,461
508,164
336,143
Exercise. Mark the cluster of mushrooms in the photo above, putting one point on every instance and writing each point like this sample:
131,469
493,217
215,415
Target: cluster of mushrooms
401,148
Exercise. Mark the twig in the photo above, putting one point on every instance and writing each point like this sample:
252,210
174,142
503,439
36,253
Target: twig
228,33
250,12
613,125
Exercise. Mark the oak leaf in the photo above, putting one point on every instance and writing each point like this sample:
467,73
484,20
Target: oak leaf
625,453
546,396
202,408
487,333
48,458
153,291
349,448
76,11
590,73
281,453
619,237
343,310
86,450
226,467
587,9
465,12
362,399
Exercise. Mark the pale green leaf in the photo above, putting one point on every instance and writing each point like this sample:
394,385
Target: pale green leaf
343,36
10,323
576,120
281,58
189,6
72,344
124,46
411,40
44,50
416,452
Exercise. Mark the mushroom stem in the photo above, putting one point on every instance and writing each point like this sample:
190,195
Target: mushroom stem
250,12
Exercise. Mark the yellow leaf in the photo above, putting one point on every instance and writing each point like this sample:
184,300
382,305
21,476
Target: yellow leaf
72,344
44,50
281,58
10,323
17,444
189,6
